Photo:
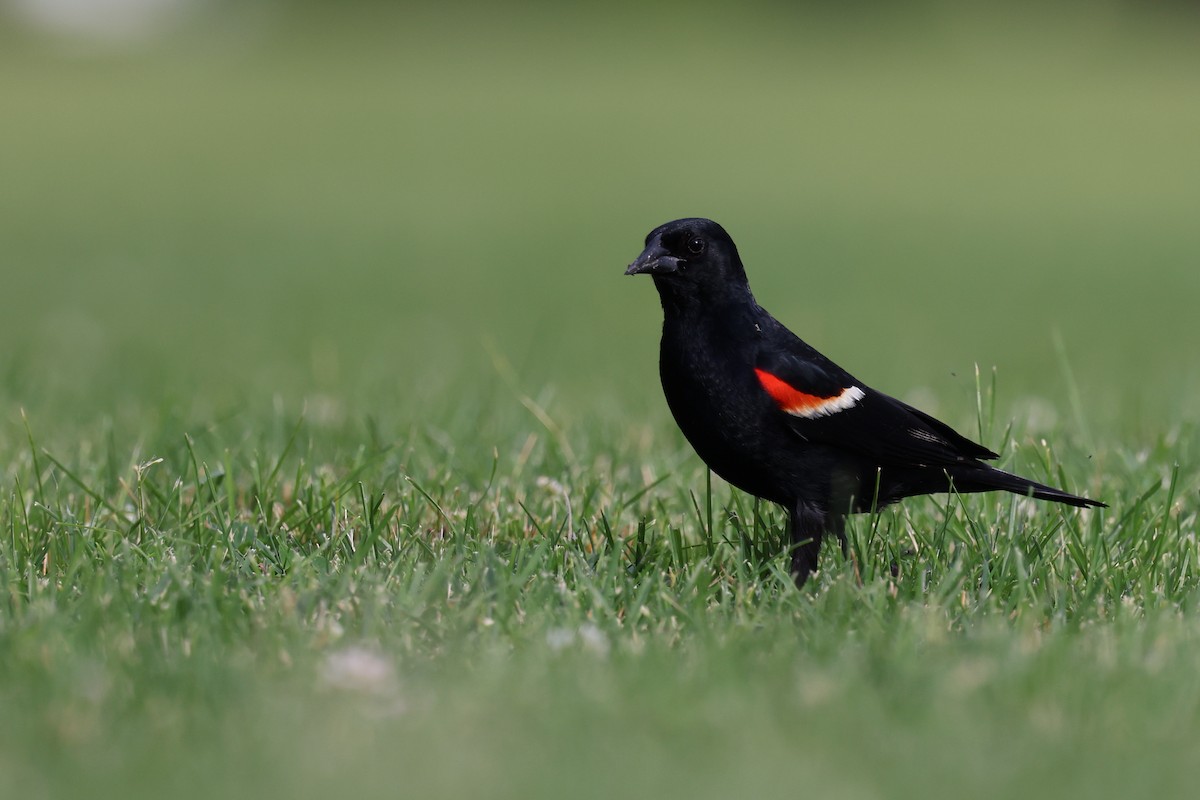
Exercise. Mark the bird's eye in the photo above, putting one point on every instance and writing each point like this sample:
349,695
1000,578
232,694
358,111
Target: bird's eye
695,245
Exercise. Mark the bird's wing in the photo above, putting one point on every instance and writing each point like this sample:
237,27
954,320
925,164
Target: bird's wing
823,403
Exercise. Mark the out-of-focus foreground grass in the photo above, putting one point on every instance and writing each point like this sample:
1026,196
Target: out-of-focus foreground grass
341,427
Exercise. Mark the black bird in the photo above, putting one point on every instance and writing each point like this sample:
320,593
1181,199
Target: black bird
777,419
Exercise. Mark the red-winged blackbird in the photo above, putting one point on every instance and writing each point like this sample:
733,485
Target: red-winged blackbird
777,419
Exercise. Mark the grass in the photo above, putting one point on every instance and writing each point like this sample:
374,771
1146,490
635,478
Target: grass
333,458
167,618
264,612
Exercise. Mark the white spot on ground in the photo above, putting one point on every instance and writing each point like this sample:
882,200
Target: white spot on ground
103,20
358,669
589,636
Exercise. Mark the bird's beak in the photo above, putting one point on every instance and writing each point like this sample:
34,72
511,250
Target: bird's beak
654,259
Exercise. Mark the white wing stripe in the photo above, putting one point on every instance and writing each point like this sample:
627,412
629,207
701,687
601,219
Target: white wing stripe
847,399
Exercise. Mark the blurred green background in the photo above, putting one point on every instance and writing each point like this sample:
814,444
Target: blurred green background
364,203
404,218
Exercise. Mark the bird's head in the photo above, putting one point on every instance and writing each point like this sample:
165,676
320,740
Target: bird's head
692,258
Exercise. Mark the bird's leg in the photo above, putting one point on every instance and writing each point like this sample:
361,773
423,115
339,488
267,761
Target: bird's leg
806,526
837,526
844,484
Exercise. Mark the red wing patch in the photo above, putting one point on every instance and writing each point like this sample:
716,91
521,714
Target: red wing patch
800,404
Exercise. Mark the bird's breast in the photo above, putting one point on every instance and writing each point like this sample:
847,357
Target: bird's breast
712,391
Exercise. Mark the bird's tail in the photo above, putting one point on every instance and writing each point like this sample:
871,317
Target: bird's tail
990,479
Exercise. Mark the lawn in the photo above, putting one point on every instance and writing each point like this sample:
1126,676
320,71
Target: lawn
332,454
